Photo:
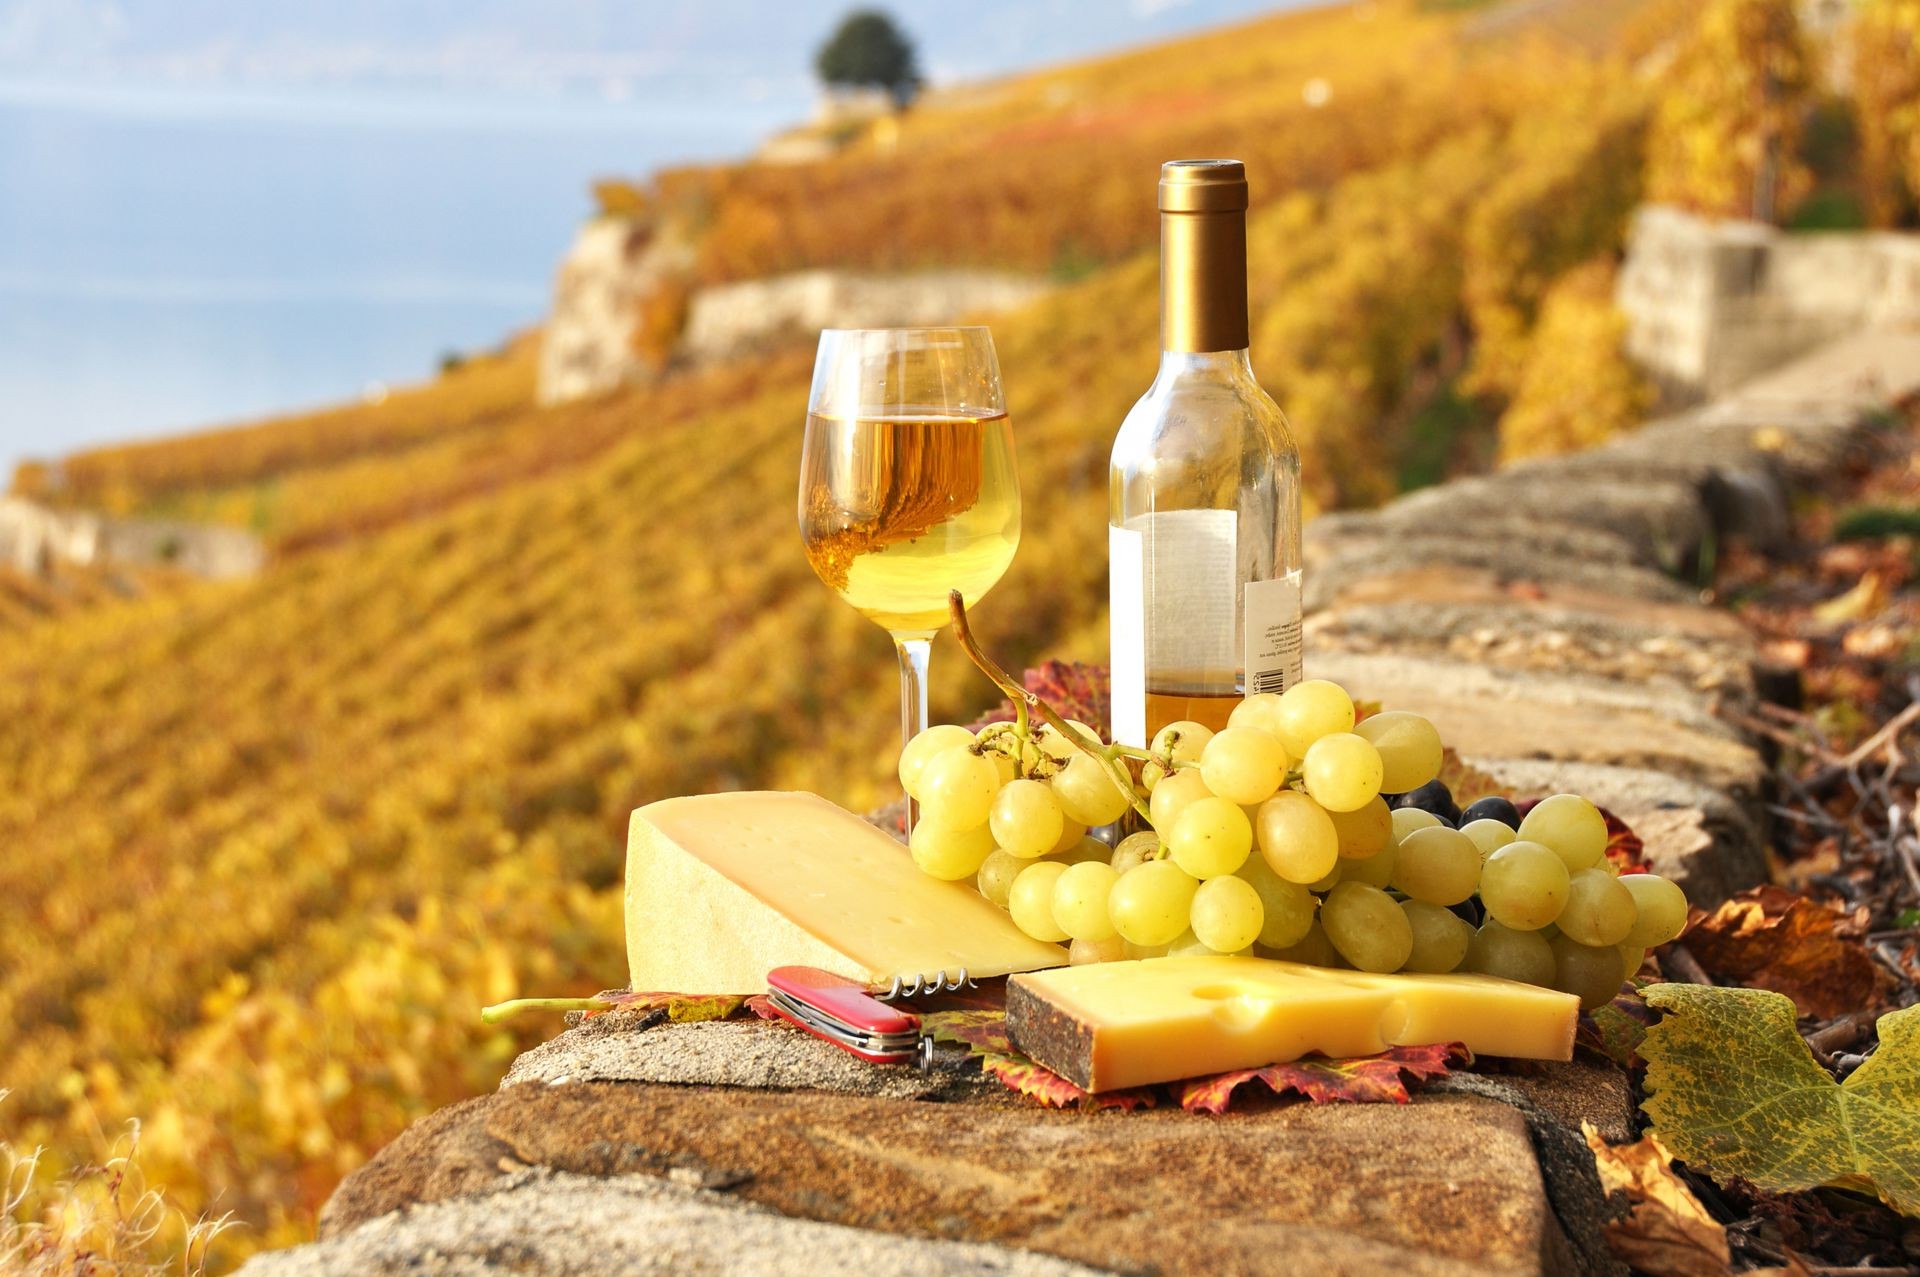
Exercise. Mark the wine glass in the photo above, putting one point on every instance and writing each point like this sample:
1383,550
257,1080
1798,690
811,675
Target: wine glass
907,483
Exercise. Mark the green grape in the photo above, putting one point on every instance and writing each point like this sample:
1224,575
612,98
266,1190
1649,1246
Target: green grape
1149,904
1088,792
1407,819
1243,765
957,788
1365,831
1296,837
1031,901
1511,955
1058,747
947,853
1367,927
1310,710
1172,796
1259,711
1410,753
1375,871
1139,952
922,748
1440,937
1135,849
1599,911
1226,914
1342,771
1571,826
1211,838
1313,948
1489,836
1080,900
1025,818
1188,945
1088,848
1439,865
1591,974
1182,742
1286,908
1632,958
1071,832
1524,886
1082,952
1321,886
1661,909
996,876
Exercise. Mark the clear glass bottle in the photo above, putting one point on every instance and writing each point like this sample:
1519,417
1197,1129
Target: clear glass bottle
1203,494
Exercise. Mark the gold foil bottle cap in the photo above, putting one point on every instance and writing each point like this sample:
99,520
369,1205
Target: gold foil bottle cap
1203,186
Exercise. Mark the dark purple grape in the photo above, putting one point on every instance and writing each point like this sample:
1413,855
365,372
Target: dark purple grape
1500,809
1435,799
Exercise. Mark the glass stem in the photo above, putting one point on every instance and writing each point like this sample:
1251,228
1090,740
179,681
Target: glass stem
913,699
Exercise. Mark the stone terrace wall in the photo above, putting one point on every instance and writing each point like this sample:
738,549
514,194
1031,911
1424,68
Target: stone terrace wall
33,538
1712,303
1542,617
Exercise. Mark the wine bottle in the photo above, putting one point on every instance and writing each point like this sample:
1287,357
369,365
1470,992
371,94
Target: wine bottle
1203,494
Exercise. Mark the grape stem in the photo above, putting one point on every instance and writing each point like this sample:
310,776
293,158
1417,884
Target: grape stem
1025,701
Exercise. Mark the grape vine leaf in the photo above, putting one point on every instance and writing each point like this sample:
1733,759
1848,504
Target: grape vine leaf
1464,781
1617,1029
1773,939
983,1030
1043,1084
1732,1087
1666,1229
1369,1079
1626,849
681,1008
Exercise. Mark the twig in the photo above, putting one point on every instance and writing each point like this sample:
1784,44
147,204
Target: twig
1676,959
1020,696
1885,736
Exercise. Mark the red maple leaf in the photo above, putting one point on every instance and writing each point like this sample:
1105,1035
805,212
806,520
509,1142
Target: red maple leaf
1371,1079
983,1030
1043,1084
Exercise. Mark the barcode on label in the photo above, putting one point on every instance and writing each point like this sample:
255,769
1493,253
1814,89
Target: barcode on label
1268,681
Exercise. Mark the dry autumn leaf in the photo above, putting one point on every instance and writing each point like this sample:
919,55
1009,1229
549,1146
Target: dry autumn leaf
1732,1087
1772,939
1666,1229
1370,1079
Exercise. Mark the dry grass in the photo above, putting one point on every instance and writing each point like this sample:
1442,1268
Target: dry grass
102,1219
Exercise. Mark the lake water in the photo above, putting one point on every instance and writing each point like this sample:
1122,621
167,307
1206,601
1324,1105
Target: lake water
171,260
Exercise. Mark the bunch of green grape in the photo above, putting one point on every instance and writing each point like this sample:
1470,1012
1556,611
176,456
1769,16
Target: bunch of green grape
1275,836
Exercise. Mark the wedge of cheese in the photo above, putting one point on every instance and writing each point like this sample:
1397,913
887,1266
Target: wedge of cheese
1120,1024
724,887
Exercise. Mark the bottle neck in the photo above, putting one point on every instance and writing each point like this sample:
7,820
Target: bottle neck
1220,366
1203,281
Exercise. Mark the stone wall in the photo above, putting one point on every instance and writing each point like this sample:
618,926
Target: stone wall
732,318
616,263
34,538
1710,304
1542,616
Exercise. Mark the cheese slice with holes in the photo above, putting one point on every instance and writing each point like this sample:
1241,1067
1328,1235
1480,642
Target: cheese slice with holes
722,888
1119,1024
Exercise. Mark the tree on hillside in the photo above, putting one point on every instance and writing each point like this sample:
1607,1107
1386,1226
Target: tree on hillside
1726,136
1886,106
868,50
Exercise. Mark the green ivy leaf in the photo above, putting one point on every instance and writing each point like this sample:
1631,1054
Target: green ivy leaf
1732,1087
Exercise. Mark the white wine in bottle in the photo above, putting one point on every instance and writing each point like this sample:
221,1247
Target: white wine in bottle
1203,495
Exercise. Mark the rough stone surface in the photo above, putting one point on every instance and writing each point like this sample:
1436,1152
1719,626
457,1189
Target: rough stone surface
1488,712
1446,1185
539,1221
751,1053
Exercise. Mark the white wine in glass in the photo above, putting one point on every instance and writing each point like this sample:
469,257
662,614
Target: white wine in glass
907,482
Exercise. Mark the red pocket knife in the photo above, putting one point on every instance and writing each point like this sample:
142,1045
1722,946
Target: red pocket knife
838,1010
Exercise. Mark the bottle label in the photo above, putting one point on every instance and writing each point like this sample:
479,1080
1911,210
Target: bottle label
1273,634
1127,610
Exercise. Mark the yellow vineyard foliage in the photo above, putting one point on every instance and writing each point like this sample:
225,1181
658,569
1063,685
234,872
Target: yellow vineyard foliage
271,844
1577,389
1886,100
1726,139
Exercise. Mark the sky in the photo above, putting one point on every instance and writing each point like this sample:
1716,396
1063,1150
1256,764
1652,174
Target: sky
212,210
